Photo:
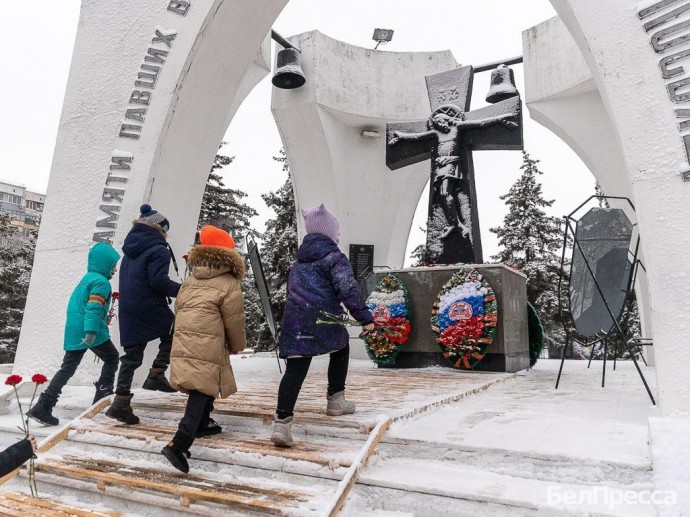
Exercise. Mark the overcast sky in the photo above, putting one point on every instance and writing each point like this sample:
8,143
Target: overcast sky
36,40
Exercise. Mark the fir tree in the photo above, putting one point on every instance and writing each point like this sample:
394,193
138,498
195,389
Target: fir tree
279,245
16,261
530,242
419,253
223,207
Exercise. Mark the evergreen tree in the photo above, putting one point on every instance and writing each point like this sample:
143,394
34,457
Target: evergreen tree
530,242
279,244
222,206
419,253
16,261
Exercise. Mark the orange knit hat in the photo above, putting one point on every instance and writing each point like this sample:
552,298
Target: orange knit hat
212,236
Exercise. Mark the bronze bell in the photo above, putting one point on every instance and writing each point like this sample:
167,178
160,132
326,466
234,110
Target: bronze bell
502,85
289,73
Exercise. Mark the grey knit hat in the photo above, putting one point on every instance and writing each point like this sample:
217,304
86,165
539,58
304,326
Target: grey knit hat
319,219
151,216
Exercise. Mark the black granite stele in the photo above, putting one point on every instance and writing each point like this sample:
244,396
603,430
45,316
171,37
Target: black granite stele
509,351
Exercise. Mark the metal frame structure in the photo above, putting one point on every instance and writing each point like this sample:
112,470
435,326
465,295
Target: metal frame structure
603,335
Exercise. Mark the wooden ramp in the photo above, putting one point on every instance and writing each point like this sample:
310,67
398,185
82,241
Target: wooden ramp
239,471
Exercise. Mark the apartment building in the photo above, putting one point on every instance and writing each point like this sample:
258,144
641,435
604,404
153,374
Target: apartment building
22,206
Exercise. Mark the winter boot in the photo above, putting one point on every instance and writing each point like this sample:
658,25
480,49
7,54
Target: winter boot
156,381
176,457
121,410
282,432
177,452
208,429
102,391
42,411
339,405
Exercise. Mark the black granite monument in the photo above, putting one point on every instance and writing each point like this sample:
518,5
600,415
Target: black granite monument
448,137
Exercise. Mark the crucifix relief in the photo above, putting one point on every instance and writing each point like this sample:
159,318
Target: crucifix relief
448,137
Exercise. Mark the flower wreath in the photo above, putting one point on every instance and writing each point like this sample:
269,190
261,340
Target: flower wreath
464,318
389,304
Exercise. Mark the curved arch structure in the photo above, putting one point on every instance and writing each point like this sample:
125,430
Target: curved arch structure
151,90
606,90
351,89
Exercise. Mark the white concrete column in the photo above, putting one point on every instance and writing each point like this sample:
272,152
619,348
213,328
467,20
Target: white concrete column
626,70
566,100
350,89
151,91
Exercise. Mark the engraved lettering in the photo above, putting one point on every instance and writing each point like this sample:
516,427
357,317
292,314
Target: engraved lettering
108,222
136,114
140,97
121,163
113,194
164,37
179,7
148,79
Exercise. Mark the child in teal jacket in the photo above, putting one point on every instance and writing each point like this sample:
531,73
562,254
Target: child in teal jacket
86,329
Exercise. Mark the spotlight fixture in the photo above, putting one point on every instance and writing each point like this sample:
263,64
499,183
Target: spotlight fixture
382,36
370,133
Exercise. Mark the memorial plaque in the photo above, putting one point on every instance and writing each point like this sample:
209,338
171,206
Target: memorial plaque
262,287
362,261
604,236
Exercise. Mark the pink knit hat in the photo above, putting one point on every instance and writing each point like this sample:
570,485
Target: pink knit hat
319,220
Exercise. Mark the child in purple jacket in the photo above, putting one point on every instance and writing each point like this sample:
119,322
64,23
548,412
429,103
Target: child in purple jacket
320,280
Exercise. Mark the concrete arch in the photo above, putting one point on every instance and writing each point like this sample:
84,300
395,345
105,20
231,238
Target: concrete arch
648,157
151,91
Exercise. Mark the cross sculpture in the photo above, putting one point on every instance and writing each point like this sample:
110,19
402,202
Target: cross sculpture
448,138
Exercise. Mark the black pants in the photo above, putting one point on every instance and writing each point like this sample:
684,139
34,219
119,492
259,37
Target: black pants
134,356
296,371
196,415
106,352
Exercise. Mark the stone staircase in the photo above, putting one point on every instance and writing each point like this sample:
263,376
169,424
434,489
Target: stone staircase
426,478
99,467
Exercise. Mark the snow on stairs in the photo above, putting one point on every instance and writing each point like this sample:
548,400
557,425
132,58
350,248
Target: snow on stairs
427,478
97,462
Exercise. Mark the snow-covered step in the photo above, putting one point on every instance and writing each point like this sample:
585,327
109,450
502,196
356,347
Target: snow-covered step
518,464
452,486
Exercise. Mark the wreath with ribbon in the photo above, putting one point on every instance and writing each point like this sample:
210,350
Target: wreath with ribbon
464,318
389,304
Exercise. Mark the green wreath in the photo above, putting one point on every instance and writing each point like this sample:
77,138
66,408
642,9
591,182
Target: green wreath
536,335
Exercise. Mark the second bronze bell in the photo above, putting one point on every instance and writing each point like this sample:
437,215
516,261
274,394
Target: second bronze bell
288,74
502,85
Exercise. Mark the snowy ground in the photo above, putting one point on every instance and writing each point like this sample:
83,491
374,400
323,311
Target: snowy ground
517,447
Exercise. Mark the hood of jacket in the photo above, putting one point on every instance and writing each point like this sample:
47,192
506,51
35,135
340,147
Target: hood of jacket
315,246
211,261
140,238
102,259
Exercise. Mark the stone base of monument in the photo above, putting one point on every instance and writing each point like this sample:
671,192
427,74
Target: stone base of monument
509,351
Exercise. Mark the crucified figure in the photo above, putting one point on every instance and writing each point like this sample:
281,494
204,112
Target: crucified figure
446,126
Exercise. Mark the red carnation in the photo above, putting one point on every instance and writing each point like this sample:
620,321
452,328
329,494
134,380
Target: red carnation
115,295
13,380
39,378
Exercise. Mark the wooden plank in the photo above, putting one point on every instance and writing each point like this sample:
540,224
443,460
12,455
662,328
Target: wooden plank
196,494
192,481
323,455
55,438
40,505
345,486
